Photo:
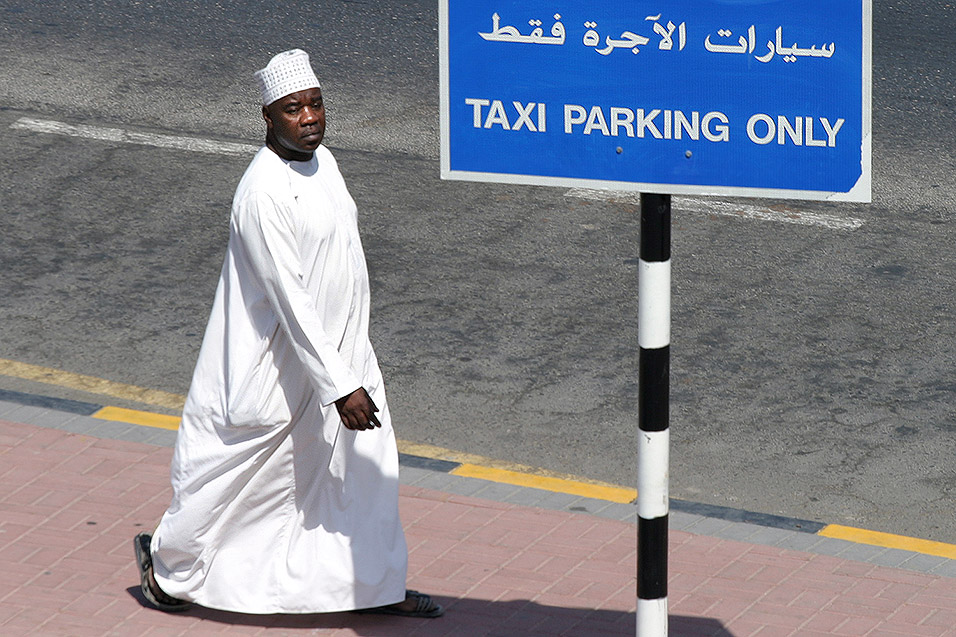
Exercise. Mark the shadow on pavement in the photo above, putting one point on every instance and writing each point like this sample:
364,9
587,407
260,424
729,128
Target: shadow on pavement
516,618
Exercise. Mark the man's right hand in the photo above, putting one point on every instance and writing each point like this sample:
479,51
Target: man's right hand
357,410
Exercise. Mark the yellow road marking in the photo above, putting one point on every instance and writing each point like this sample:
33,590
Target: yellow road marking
440,453
888,540
91,384
135,417
559,485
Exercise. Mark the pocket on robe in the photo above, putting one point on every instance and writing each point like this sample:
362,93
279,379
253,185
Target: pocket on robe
259,399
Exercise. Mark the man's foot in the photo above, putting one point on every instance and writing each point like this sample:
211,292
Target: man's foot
151,590
415,605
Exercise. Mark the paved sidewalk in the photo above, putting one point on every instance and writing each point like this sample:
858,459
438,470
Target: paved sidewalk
74,491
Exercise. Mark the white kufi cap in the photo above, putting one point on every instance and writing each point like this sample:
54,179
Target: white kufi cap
286,73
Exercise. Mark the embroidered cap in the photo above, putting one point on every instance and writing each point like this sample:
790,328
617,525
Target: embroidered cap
286,73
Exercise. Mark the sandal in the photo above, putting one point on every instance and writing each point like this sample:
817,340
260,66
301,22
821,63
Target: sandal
144,561
424,607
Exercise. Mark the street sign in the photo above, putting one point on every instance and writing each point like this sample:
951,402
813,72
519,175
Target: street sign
728,97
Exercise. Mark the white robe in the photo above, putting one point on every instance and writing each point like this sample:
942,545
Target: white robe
277,507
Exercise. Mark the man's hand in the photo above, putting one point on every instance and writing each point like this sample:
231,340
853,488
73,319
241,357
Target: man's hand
357,410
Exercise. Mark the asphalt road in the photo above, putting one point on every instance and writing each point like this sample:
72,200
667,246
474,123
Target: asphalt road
812,366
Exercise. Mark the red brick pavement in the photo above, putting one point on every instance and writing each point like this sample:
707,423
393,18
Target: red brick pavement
70,505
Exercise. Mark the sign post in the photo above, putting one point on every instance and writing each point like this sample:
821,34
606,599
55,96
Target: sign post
653,448
752,98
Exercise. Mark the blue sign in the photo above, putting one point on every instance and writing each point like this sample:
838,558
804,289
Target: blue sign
734,97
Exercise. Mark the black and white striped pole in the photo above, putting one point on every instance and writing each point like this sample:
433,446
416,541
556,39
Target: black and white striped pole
653,451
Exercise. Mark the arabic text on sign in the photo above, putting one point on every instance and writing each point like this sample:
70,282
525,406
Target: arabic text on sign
628,40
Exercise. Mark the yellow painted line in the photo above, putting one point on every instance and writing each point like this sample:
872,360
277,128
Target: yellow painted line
559,485
440,453
134,417
91,384
888,540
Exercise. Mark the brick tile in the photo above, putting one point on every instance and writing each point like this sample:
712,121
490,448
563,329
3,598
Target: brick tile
68,520
150,630
70,443
928,599
728,609
570,586
912,614
856,626
17,552
740,570
428,547
813,600
442,568
22,625
913,630
596,593
30,495
943,617
734,589
132,451
942,587
41,437
11,531
453,533
684,583
825,621
533,560
901,592
96,565
745,627
863,607
75,471
867,588
493,556
854,569
37,597
770,575
622,554
694,604
624,600
778,615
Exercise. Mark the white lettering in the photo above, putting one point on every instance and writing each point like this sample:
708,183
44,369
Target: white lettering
497,115
542,118
752,132
832,130
477,104
692,127
596,121
573,114
524,116
647,123
795,132
622,117
808,124
722,133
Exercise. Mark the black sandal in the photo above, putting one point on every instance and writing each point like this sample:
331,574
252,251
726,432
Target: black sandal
144,561
424,607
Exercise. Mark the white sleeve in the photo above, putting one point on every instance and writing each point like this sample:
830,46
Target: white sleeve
266,233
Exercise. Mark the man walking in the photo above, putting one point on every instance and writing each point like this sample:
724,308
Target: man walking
285,472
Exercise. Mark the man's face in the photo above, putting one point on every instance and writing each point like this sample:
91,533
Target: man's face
296,124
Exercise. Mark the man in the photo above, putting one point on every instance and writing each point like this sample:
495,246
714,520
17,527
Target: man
285,472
